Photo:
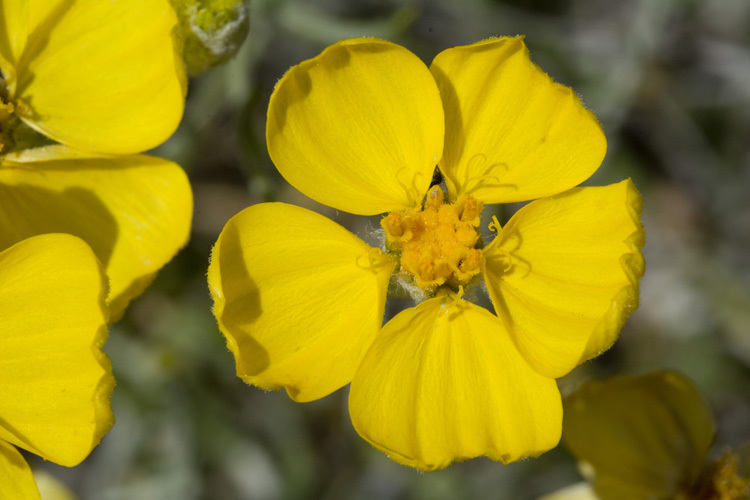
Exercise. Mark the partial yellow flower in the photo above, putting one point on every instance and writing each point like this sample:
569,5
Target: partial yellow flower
649,437
97,76
100,79
361,128
56,381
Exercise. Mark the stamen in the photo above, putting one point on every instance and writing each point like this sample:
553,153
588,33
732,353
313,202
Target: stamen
439,245
6,109
21,108
495,226
410,190
6,116
477,178
374,259
500,254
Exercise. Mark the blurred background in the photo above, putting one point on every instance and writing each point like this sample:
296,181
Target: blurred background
670,82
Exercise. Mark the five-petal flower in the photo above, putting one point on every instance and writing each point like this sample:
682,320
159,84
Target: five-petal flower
301,300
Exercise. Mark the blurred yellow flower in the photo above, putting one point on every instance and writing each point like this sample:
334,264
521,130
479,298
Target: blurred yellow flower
56,381
361,128
649,437
51,488
99,79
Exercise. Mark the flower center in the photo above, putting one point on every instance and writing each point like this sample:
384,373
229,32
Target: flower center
6,116
16,135
720,481
438,245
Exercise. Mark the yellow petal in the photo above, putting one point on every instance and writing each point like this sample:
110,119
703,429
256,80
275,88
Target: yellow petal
298,298
512,134
644,436
14,25
443,382
134,211
359,127
563,275
53,322
102,76
18,482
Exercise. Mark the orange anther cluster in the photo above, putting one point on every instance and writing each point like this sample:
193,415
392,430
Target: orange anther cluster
438,245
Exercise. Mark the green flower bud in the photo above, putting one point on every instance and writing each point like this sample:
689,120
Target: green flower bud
213,31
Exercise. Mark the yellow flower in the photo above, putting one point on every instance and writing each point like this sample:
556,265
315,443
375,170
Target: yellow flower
100,79
301,300
648,437
56,381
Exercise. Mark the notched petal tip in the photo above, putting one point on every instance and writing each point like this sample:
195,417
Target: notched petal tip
103,415
512,133
443,383
624,302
